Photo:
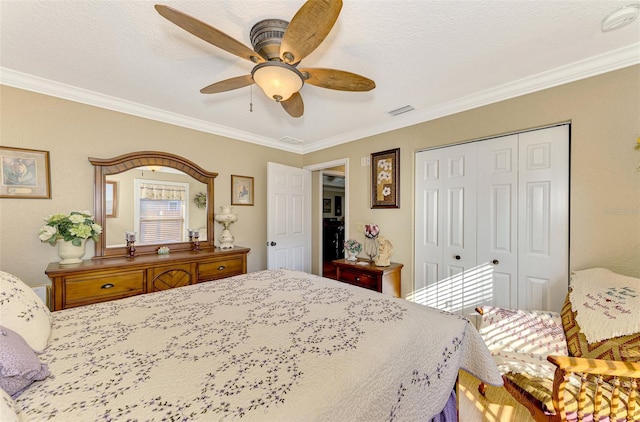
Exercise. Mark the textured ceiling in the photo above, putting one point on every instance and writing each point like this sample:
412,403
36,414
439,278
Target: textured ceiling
440,57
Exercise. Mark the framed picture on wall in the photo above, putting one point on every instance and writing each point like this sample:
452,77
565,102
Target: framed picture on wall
326,205
111,199
385,179
241,190
24,173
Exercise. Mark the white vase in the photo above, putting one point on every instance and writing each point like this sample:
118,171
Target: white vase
70,253
352,256
371,247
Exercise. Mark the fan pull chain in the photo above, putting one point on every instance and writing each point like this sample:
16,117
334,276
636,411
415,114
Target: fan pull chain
251,99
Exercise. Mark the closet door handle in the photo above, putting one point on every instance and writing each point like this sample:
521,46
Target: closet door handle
457,257
495,262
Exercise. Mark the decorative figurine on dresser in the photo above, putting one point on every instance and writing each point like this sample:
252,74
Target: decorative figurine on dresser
375,273
142,263
385,249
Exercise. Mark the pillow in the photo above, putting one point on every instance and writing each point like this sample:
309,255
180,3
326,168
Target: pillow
22,311
19,364
8,408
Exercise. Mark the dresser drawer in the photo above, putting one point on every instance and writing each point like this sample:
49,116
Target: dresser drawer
99,288
358,278
170,276
212,270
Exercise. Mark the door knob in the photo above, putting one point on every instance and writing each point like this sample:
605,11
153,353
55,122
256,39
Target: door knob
495,262
272,244
457,257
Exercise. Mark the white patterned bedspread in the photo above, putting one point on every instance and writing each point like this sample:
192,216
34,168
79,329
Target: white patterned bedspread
270,346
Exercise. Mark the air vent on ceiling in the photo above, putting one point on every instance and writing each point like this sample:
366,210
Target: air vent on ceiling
290,140
401,110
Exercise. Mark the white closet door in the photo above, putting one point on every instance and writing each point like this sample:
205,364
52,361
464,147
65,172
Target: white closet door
497,267
492,223
445,231
428,230
459,225
543,213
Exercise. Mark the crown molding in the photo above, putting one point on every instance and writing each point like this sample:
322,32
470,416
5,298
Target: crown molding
607,62
40,85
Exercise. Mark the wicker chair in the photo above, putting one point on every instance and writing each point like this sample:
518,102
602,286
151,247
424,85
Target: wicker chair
549,367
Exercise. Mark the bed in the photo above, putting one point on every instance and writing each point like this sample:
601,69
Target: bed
270,346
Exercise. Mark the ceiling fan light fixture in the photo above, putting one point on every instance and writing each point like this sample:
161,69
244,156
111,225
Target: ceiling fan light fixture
278,80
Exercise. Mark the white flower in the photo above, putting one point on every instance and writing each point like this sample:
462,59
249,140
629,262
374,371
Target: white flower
385,164
70,228
46,232
386,191
384,176
97,228
77,218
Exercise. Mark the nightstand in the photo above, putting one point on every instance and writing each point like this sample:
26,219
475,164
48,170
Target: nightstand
366,274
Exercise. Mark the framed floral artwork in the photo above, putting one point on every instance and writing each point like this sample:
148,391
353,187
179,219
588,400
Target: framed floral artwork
24,173
385,179
241,190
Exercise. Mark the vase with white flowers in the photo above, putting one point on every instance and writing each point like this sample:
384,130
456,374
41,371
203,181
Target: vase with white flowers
72,230
352,248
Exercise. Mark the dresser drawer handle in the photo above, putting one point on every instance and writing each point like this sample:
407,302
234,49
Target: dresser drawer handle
107,286
357,278
221,267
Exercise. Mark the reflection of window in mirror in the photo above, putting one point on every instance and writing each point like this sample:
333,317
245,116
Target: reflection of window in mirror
161,210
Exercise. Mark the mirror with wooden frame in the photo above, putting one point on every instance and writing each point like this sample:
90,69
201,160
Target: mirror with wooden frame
171,203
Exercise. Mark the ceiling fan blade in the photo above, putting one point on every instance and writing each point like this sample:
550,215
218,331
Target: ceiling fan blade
208,33
228,84
337,79
308,28
294,105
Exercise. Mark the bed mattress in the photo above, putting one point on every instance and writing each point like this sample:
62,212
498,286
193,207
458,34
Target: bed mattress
270,346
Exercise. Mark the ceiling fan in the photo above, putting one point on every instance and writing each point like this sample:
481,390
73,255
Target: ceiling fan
278,48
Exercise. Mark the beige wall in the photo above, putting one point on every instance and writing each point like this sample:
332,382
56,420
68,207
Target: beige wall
72,132
605,186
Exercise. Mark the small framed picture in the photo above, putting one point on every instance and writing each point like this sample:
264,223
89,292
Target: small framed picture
111,199
326,205
241,190
385,179
24,173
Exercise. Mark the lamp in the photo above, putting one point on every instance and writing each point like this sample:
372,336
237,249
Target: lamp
154,168
226,216
278,80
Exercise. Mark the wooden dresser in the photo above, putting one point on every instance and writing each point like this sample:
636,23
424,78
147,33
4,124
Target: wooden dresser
104,279
366,274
